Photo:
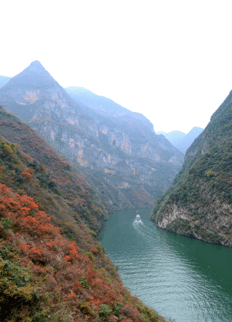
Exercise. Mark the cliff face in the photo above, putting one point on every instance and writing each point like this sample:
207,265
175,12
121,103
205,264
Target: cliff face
125,160
104,105
199,203
71,194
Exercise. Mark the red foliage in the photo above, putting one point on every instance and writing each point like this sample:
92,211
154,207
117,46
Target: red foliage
26,175
95,251
31,171
63,264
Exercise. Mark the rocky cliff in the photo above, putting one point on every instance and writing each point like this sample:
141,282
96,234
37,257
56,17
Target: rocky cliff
124,159
199,203
57,178
104,105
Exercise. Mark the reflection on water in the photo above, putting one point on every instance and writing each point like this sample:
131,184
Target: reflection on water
183,279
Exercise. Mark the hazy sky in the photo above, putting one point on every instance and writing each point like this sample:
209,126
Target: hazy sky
170,60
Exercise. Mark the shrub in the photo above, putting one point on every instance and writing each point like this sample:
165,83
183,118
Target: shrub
84,283
85,307
95,251
104,311
15,288
90,255
118,308
6,223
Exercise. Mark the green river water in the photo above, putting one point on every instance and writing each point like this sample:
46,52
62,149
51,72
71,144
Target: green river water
181,278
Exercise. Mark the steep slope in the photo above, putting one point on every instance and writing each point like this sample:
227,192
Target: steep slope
199,203
4,80
60,178
43,275
188,139
124,159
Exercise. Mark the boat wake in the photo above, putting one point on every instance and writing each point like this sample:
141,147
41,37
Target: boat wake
145,230
138,222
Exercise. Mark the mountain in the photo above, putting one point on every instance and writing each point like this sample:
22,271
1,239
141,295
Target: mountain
199,203
122,157
188,139
161,132
174,137
73,186
52,268
181,140
103,104
4,80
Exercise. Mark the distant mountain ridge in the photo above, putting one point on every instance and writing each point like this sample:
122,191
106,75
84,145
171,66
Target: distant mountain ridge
181,140
124,159
199,203
174,137
103,104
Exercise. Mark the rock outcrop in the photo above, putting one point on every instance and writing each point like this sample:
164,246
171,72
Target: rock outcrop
199,203
56,177
128,164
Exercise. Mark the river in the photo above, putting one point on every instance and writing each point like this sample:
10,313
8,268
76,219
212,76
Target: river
181,278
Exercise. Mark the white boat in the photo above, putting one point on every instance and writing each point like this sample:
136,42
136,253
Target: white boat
138,218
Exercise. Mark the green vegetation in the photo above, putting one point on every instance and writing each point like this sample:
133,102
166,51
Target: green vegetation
45,276
51,278
61,186
204,185
104,311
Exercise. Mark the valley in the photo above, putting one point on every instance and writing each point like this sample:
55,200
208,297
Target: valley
69,159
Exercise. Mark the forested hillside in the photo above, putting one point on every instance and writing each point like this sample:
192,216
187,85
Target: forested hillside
199,203
60,178
45,276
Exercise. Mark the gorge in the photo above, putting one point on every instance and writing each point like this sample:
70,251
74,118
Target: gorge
72,158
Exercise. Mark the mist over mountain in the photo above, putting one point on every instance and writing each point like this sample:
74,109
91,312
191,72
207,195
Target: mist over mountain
103,104
4,80
174,136
118,150
199,203
181,140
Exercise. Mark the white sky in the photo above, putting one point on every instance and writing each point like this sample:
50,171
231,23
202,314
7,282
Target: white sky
169,60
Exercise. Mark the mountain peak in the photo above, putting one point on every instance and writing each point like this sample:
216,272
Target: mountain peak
34,76
36,67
